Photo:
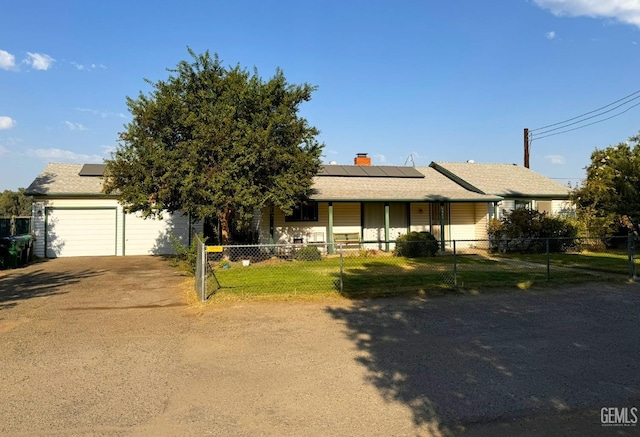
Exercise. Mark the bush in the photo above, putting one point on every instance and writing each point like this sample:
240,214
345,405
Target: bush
308,253
527,231
416,245
186,254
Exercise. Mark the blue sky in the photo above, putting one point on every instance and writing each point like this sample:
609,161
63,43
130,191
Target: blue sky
447,80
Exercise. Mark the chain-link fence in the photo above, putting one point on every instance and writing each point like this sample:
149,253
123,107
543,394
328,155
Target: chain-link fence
380,268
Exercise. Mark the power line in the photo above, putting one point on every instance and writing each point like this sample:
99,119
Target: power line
590,112
588,124
589,118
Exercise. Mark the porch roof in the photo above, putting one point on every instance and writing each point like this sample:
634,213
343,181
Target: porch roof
434,187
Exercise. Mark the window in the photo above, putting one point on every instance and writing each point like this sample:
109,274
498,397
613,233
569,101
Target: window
522,204
305,212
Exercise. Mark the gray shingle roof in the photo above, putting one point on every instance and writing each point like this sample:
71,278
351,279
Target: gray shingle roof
64,179
506,180
432,188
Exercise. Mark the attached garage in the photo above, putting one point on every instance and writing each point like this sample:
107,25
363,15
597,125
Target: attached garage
80,231
71,217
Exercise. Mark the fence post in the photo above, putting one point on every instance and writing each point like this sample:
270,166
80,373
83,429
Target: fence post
341,269
548,261
630,255
455,265
204,270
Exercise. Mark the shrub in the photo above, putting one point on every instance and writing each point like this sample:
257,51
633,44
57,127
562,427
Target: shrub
416,245
186,254
524,230
308,253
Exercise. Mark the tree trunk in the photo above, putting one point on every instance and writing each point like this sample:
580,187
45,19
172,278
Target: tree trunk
224,217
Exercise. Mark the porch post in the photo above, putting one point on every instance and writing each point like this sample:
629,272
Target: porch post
330,230
442,226
386,226
408,208
271,225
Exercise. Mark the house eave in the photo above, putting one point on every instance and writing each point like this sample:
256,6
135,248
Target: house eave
412,200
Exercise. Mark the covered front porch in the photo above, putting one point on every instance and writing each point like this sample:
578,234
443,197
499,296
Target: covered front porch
374,225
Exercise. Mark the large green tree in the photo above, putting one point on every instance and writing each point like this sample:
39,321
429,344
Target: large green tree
216,141
611,192
14,203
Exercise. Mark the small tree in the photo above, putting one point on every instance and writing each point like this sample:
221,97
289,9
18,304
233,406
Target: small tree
610,196
525,230
216,142
15,203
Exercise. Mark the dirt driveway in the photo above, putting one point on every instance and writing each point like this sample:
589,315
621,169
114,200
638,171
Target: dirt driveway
115,346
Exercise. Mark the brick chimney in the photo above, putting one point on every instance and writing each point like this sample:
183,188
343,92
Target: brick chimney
362,159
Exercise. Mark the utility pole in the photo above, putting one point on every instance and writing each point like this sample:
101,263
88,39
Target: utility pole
526,148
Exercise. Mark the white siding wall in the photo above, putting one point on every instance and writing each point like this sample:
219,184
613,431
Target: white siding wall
153,236
346,218
562,207
140,237
285,232
420,217
397,220
544,206
463,221
482,220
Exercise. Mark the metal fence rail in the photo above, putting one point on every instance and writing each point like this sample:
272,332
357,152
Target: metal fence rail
369,268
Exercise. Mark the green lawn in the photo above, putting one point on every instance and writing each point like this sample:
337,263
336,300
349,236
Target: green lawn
389,275
609,262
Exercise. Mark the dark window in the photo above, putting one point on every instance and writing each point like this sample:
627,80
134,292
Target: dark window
306,212
522,204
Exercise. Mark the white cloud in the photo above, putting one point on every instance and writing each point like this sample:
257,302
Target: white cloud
103,114
6,122
380,158
7,60
550,35
75,126
39,61
625,11
555,159
59,155
87,67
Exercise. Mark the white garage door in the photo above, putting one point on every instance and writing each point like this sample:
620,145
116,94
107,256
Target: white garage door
80,232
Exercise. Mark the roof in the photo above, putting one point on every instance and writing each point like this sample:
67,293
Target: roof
506,180
376,171
429,186
65,180
432,187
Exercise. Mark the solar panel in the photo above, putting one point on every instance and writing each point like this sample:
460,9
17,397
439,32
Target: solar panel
92,170
373,171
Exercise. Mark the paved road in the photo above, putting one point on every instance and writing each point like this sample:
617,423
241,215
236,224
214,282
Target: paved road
115,346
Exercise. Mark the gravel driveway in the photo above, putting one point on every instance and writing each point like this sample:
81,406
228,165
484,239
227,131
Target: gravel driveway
117,346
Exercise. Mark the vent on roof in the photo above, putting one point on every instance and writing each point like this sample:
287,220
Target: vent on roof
381,171
92,170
